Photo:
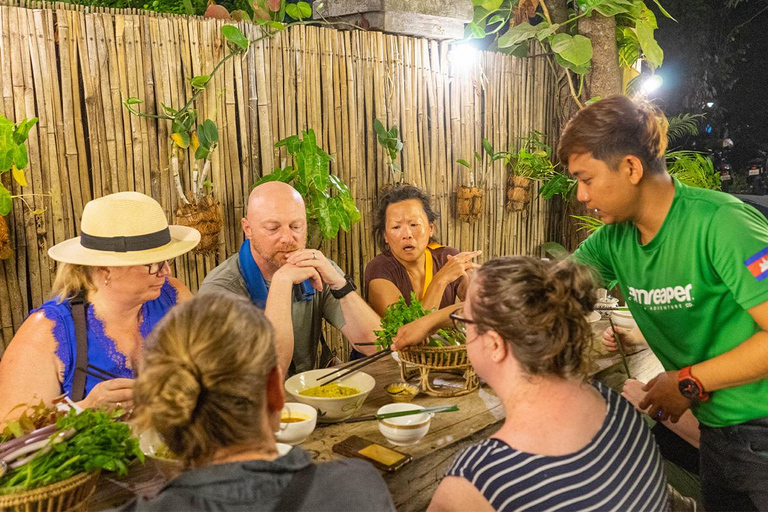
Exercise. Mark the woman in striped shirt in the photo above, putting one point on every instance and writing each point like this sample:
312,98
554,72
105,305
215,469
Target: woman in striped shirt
566,443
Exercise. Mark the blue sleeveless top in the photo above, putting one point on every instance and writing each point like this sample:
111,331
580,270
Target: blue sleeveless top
101,348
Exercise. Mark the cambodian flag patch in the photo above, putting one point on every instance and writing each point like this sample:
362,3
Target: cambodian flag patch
758,264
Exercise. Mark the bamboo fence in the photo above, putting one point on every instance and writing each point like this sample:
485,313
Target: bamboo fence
71,66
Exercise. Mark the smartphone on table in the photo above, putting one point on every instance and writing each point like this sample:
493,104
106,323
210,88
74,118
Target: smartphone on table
380,456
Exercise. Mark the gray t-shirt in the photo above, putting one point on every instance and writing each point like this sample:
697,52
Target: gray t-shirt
307,315
257,485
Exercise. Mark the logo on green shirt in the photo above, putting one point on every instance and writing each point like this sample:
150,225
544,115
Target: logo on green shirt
674,296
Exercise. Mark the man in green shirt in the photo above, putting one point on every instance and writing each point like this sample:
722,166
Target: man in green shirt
692,265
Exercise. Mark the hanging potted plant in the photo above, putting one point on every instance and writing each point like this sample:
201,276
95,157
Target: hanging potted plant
329,202
471,198
13,159
531,163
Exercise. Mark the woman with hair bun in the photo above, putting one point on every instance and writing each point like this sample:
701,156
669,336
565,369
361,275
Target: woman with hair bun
212,389
566,442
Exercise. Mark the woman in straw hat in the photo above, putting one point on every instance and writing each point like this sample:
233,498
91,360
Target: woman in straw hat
111,288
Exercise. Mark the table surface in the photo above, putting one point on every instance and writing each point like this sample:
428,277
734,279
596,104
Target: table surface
480,415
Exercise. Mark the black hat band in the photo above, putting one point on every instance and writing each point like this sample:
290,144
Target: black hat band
126,243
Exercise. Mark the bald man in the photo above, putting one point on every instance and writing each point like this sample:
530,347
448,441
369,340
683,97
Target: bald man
280,275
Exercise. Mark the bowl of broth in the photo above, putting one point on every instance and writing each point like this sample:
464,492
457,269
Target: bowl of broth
334,402
297,421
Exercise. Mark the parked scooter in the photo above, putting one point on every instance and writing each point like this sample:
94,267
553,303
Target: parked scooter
757,173
722,165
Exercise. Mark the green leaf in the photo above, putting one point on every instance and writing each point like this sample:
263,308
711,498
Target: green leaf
628,46
464,163
518,50
20,158
286,175
202,152
211,131
517,34
547,31
580,70
497,18
488,5
199,82
276,25
233,34
476,31
134,101
663,11
487,147
293,11
208,183
18,175
607,8
22,130
574,49
380,130
305,10
478,156
653,52
5,200
592,100
181,139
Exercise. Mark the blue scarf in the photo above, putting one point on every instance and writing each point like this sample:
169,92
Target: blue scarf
257,286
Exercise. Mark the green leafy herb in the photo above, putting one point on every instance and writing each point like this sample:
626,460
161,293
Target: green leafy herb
100,442
400,313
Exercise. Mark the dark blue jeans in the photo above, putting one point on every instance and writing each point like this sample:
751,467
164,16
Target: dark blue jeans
734,466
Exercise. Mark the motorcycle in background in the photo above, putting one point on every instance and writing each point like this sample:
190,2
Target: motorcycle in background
722,165
757,173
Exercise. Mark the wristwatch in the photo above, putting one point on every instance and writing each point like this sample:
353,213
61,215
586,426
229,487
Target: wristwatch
344,290
691,387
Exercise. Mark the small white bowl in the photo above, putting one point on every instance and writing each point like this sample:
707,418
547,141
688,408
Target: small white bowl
404,430
623,320
283,449
331,410
297,431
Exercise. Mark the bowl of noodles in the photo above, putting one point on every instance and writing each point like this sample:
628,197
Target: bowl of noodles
334,402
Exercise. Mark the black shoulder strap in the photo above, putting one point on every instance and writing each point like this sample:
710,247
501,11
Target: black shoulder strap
295,493
78,304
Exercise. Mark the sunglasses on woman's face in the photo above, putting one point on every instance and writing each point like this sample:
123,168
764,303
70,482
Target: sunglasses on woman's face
156,268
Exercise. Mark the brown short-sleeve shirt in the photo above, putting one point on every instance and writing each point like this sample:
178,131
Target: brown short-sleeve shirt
386,266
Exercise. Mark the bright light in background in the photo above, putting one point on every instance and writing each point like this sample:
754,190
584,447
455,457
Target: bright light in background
652,83
462,57
710,104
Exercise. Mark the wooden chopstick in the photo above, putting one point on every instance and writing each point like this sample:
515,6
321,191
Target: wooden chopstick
354,368
617,337
101,375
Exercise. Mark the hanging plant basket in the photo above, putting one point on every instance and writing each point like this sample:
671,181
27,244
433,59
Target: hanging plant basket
469,203
205,216
6,251
518,192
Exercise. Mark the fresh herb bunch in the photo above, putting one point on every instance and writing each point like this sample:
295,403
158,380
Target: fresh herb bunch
33,417
100,442
399,313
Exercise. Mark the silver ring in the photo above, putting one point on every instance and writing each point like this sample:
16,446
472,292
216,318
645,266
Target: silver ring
314,255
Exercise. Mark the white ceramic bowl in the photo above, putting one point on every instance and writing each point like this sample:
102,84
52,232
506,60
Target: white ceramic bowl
283,449
155,450
404,430
297,431
331,410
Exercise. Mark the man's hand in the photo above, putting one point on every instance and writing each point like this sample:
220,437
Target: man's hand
296,274
314,259
664,401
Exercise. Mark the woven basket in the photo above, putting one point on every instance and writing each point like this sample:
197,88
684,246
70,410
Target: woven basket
432,360
70,494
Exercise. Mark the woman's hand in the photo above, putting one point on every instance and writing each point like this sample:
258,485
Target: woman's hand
457,266
631,340
413,333
609,339
113,393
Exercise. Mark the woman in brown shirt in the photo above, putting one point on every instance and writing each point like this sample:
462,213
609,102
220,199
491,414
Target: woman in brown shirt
411,260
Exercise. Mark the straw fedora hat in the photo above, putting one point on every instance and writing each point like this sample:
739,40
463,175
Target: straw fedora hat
123,229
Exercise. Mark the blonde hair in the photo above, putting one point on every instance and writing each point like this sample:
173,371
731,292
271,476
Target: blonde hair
203,384
539,309
70,279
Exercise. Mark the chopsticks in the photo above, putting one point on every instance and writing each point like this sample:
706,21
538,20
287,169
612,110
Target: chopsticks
617,337
426,410
353,367
96,372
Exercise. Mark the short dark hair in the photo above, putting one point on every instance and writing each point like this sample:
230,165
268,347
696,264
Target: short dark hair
616,127
395,195
539,308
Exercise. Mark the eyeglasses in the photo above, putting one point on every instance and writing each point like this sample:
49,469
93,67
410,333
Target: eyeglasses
460,323
156,268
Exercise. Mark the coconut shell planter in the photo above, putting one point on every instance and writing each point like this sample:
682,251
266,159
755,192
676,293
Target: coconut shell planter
469,203
518,192
204,216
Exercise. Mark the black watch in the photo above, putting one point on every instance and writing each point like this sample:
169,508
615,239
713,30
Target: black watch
344,290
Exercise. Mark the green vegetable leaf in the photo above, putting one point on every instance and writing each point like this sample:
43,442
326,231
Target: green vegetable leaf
233,34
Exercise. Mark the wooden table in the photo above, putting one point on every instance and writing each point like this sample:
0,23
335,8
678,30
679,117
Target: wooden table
481,414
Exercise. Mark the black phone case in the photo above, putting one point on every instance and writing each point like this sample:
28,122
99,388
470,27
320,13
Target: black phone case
351,446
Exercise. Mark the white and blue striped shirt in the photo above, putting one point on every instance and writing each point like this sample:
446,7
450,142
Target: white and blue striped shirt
620,469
